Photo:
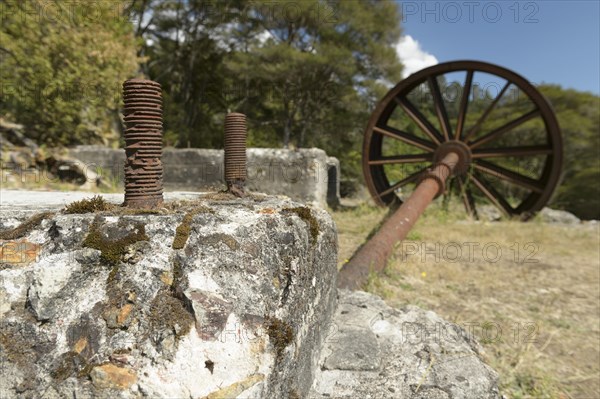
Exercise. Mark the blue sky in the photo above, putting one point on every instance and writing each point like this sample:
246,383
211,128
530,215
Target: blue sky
545,41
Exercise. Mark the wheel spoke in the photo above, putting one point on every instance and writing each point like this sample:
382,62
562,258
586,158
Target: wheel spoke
412,158
494,197
420,120
484,116
467,198
440,108
464,102
525,151
409,179
508,175
504,128
405,137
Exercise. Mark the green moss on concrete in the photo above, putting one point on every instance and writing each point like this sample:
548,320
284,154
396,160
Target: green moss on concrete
305,214
113,274
169,313
182,233
280,334
89,205
113,250
177,272
25,227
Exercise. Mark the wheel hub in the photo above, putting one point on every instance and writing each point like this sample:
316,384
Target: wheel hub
461,149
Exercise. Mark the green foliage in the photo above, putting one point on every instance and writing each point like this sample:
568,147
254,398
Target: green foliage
306,73
184,44
318,70
578,114
61,67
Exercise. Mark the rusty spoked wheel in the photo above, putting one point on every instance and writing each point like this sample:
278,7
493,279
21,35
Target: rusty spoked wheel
502,127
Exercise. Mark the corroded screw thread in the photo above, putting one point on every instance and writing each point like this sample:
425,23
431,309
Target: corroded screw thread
235,152
143,143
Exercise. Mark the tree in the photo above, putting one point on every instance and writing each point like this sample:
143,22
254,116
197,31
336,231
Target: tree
61,68
316,66
184,46
578,114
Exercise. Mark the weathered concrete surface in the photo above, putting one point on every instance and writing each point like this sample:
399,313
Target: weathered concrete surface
300,174
376,351
102,305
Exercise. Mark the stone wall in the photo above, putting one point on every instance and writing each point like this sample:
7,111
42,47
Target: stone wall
306,175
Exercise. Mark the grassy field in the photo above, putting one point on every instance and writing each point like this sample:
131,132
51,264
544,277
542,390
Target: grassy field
529,292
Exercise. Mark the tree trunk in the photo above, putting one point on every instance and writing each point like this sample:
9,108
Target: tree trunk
287,130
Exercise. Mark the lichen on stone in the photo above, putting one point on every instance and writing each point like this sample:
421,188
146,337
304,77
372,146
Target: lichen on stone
120,309
306,215
89,205
112,250
280,334
68,364
216,238
25,227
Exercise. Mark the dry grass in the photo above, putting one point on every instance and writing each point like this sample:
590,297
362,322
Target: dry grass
538,321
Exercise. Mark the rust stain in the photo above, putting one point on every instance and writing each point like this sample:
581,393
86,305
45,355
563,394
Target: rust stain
124,313
111,376
267,211
19,252
80,345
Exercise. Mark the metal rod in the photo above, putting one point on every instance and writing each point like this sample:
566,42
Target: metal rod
143,143
235,153
374,254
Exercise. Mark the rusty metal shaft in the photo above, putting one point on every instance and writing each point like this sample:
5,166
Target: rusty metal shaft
235,152
373,255
143,143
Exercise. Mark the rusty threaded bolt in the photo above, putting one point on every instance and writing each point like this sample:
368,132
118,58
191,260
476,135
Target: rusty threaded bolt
143,143
235,153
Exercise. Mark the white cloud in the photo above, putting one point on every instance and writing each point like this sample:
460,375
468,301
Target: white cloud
413,56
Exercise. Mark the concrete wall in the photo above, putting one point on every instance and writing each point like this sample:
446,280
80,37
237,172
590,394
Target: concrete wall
306,175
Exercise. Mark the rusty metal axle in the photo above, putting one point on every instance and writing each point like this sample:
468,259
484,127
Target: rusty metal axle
374,254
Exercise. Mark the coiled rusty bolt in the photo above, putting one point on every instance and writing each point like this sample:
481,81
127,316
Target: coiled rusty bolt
235,153
143,143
